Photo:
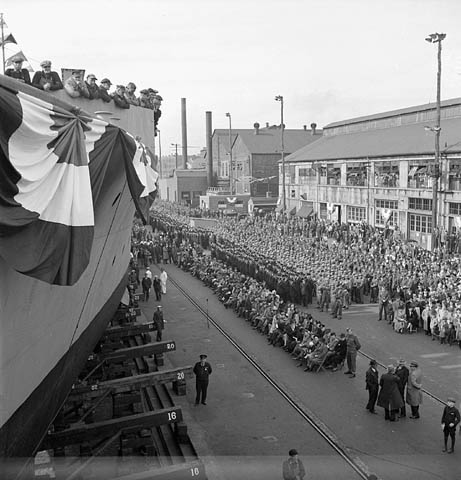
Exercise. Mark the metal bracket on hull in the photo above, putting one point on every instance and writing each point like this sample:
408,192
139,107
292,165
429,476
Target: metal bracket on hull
126,384
94,431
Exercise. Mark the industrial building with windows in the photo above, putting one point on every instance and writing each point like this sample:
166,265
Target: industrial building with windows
379,169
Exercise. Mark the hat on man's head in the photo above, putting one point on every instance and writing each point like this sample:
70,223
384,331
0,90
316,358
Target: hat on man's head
144,91
159,306
451,399
17,59
413,364
121,86
203,356
402,361
91,75
106,80
293,452
373,362
45,63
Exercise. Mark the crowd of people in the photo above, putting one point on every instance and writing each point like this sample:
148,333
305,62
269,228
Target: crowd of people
242,282
75,86
329,264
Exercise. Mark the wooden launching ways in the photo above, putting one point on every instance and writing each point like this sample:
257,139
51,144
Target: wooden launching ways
119,421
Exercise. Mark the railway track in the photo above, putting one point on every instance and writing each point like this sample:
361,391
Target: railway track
349,457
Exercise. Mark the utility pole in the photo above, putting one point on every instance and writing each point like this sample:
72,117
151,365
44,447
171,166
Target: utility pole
436,173
175,145
3,42
279,98
231,163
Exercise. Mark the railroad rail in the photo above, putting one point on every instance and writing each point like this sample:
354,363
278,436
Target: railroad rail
340,448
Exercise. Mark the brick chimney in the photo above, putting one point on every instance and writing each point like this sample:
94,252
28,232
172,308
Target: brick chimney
313,128
256,127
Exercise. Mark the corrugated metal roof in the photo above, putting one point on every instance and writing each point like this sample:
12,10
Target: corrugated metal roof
395,113
268,140
403,140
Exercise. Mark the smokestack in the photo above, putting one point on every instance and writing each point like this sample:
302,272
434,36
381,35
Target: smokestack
184,133
313,127
209,149
256,127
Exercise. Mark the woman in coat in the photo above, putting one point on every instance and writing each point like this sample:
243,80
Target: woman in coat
389,396
414,394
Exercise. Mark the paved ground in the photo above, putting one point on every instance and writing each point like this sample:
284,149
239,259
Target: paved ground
247,428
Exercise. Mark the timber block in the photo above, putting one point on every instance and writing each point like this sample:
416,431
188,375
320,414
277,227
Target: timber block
159,361
180,430
179,387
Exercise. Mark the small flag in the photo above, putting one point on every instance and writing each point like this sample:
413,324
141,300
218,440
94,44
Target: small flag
9,60
9,39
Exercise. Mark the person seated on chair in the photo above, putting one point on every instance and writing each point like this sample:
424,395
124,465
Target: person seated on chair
317,356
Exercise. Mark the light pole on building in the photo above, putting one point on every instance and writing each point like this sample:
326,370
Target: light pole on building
231,166
436,38
175,145
279,98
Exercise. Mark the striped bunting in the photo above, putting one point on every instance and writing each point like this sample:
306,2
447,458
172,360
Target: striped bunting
53,164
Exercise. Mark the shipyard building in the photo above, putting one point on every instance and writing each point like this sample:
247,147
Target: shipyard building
379,169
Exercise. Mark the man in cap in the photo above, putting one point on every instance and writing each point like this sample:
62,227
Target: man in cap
202,371
450,418
402,372
17,72
46,79
75,86
414,394
146,283
104,88
144,99
353,346
119,97
159,322
293,468
92,87
130,96
371,384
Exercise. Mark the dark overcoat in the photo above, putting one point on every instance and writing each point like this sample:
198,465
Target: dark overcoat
389,396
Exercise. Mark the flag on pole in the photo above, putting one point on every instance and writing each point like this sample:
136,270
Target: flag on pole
9,60
9,39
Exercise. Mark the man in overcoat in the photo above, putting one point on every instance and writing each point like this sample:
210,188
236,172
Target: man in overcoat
389,396
202,371
402,372
372,385
414,393
293,468
450,418
159,322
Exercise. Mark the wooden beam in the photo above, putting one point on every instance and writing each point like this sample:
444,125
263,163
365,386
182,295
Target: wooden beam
194,469
126,384
95,431
129,330
139,351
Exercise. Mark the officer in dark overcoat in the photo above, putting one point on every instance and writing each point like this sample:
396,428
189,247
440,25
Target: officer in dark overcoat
372,385
202,371
450,418
402,372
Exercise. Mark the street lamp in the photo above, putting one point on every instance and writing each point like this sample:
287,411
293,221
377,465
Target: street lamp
436,38
175,145
231,173
279,98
